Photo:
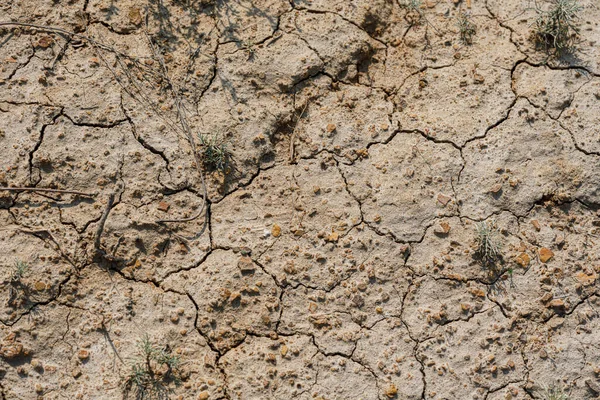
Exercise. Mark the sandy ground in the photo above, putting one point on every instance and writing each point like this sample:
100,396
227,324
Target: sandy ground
334,255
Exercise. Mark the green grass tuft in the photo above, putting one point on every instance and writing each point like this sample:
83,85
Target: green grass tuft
554,393
19,271
556,27
215,153
466,28
488,242
152,372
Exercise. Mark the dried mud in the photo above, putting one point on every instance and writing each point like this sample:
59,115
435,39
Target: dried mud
335,255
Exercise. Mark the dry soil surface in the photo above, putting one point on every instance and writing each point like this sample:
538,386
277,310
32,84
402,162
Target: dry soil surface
334,254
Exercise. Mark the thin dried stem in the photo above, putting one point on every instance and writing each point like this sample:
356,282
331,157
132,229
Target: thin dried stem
102,221
66,33
46,190
190,137
293,137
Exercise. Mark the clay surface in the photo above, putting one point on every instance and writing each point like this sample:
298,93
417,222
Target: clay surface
335,250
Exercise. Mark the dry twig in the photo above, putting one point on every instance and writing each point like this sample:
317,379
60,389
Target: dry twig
45,190
189,136
293,136
102,221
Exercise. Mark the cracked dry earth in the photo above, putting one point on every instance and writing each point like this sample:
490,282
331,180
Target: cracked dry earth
335,257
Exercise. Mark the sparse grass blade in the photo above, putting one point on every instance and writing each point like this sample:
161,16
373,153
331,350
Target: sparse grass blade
556,27
467,28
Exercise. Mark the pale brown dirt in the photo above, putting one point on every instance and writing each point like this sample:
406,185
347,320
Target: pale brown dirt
335,257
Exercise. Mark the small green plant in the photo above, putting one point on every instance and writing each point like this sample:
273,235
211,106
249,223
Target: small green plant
19,271
249,47
18,292
152,372
488,243
466,28
555,28
554,393
215,153
414,5
413,8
